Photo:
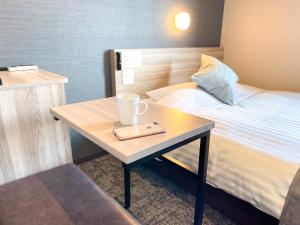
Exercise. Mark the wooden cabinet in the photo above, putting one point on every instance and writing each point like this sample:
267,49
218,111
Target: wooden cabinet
30,139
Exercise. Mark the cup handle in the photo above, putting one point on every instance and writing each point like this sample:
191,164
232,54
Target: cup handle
146,107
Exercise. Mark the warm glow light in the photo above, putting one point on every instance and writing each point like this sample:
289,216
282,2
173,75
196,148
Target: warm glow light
182,21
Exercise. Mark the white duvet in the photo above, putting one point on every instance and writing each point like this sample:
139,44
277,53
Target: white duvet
255,146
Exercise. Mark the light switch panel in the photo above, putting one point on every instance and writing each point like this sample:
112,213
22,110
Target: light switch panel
127,77
131,59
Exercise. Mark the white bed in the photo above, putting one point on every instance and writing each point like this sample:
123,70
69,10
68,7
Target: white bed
255,146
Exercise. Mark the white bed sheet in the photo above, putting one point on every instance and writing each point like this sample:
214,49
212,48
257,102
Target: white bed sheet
254,152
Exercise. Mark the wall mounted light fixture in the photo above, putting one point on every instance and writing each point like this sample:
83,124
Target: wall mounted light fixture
182,21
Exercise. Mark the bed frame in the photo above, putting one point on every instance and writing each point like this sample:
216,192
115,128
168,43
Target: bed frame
156,68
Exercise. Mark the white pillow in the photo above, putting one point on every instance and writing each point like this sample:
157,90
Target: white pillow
191,100
185,90
216,78
158,94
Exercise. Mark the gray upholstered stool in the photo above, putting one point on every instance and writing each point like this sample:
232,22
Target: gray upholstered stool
61,196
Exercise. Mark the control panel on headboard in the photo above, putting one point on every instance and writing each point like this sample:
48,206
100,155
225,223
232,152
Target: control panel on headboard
142,70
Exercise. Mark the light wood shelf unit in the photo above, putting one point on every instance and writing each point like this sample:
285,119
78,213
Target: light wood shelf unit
30,139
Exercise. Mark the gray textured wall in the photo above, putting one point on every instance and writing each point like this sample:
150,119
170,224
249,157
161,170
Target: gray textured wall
72,37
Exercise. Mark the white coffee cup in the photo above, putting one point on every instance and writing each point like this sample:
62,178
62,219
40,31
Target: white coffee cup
128,108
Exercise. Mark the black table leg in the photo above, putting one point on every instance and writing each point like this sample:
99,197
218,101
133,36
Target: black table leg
202,169
126,186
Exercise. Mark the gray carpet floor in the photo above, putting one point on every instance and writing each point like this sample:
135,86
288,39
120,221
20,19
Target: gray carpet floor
154,199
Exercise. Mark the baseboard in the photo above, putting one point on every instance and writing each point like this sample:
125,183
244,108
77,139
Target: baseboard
89,157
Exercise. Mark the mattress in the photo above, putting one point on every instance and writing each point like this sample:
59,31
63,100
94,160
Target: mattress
254,149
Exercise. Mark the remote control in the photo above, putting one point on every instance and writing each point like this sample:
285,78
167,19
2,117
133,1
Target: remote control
22,68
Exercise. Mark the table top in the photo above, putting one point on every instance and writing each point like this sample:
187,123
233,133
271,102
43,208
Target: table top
96,119
29,78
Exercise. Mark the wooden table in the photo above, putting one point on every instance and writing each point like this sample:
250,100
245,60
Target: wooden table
96,119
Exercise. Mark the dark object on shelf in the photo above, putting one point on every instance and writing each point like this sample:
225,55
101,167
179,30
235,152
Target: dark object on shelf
119,62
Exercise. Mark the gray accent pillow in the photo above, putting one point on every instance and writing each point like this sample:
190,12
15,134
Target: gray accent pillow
216,78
